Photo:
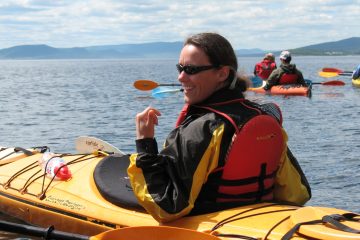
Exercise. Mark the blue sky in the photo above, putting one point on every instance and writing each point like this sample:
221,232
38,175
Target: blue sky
265,24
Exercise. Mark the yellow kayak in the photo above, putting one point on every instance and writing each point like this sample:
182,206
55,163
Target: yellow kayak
356,82
78,206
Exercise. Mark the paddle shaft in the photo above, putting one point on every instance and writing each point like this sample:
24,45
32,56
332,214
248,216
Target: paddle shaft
169,84
46,233
345,74
319,83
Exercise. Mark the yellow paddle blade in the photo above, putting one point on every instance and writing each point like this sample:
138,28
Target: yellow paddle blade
153,233
328,74
145,85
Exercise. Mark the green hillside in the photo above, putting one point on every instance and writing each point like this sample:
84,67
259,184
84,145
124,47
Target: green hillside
349,46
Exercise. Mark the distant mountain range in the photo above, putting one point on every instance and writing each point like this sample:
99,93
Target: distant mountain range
350,46
144,50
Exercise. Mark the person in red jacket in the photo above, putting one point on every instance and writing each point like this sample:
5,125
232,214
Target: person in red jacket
264,68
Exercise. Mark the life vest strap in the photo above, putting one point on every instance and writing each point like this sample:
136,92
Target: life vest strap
256,194
243,181
225,116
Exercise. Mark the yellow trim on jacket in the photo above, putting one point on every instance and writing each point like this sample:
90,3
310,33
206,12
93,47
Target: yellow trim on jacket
208,163
288,185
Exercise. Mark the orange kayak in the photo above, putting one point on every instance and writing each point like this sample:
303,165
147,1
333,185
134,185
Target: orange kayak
287,90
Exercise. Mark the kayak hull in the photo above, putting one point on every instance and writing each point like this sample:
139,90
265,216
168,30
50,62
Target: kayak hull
287,90
77,206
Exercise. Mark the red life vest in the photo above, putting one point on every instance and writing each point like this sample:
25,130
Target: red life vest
252,160
288,78
264,68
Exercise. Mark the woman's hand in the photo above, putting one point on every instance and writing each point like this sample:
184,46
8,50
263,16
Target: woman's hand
145,123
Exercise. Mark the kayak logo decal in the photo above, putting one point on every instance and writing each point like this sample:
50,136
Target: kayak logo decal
95,145
266,137
65,203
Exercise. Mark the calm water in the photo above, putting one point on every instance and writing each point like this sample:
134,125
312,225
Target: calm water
51,102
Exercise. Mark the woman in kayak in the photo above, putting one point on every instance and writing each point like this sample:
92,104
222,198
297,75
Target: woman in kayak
264,68
287,73
208,161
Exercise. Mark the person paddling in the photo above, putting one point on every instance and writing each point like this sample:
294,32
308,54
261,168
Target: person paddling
356,73
225,150
287,73
264,68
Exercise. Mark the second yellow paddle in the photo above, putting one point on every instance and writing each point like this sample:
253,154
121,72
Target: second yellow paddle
332,74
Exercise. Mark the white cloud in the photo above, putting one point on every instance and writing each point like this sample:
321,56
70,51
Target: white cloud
262,24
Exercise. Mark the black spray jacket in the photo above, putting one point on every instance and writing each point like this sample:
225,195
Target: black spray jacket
168,184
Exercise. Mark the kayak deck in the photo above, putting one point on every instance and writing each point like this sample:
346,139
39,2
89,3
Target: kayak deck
77,206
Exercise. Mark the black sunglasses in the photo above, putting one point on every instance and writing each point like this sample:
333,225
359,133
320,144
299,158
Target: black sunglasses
189,69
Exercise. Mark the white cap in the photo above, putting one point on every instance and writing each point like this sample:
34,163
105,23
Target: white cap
285,55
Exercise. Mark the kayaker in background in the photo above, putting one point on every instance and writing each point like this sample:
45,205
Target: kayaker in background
207,162
356,73
287,73
264,68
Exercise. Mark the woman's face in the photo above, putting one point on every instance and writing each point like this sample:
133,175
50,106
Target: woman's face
199,86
